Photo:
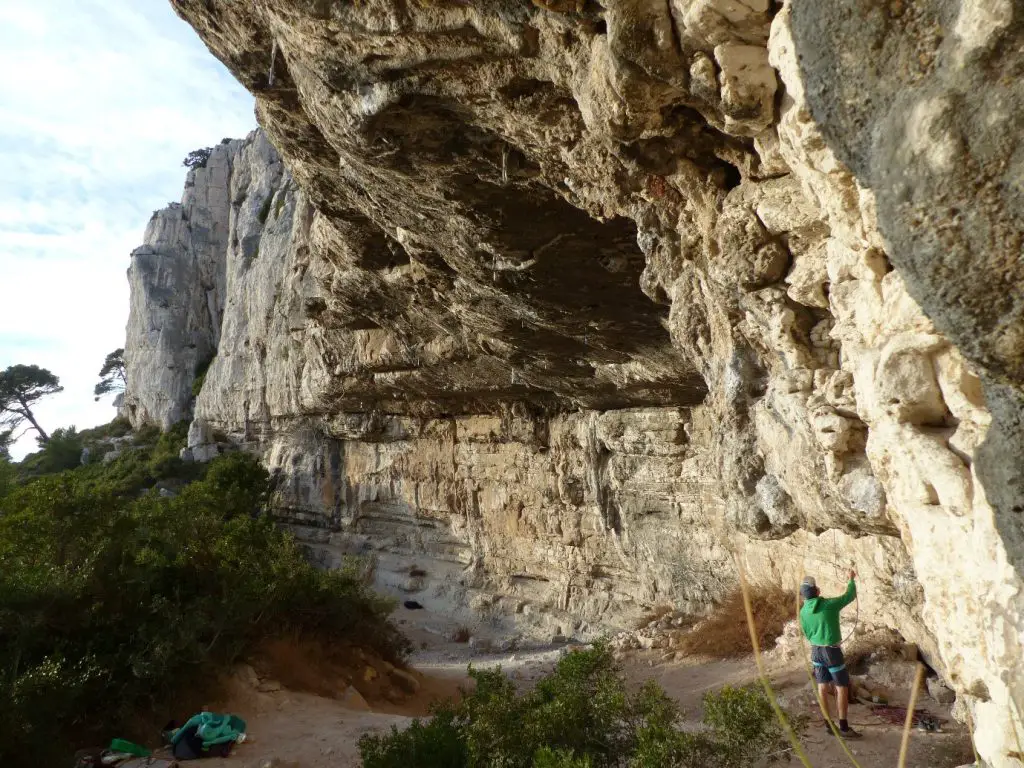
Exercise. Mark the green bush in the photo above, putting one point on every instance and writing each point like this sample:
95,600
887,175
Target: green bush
62,451
147,434
152,457
581,716
112,602
197,158
64,448
165,460
8,476
200,374
436,742
548,758
119,427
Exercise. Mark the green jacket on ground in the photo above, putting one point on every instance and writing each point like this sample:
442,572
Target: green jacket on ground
819,618
213,728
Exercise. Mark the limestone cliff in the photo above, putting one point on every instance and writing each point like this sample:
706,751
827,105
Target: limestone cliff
576,306
188,270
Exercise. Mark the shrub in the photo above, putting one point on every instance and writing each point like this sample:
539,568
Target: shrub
264,212
147,434
111,603
200,374
8,476
581,716
434,743
725,635
743,725
62,451
165,456
119,427
547,758
197,158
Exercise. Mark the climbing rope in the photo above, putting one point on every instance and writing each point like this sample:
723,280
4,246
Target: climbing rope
856,598
834,562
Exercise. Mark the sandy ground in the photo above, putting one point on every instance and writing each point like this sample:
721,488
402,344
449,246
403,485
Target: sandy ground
302,730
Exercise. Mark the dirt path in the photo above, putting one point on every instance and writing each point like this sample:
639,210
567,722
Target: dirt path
302,730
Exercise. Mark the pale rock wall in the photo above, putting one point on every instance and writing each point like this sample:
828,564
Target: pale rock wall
577,309
926,417
177,283
260,361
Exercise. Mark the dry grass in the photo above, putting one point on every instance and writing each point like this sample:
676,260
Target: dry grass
461,635
725,635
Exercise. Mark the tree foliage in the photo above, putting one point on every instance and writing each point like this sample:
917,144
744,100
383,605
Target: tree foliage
113,377
581,716
197,157
62,451
21,387
115,599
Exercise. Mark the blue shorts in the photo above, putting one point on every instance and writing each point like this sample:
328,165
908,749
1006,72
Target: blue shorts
829,665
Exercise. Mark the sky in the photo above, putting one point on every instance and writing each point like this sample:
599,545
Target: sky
100,100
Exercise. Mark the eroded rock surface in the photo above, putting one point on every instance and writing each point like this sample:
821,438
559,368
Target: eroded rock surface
576,306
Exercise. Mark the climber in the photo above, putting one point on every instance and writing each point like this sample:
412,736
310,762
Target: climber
819,620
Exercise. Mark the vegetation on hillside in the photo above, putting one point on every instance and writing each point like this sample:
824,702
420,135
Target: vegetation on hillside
581,716
125,583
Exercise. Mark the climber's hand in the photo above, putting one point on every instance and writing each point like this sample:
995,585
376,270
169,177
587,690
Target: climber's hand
853,574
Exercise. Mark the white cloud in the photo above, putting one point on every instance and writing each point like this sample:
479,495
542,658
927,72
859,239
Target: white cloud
99,102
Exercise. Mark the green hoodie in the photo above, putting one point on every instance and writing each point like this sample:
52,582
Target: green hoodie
819,618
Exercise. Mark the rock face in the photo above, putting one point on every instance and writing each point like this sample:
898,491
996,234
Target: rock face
189,265
568,309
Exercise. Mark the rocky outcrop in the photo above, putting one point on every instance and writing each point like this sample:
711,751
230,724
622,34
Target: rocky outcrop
571,309
925,129
180,278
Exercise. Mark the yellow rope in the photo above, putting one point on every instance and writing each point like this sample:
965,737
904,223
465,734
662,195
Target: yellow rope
905,741
794,740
